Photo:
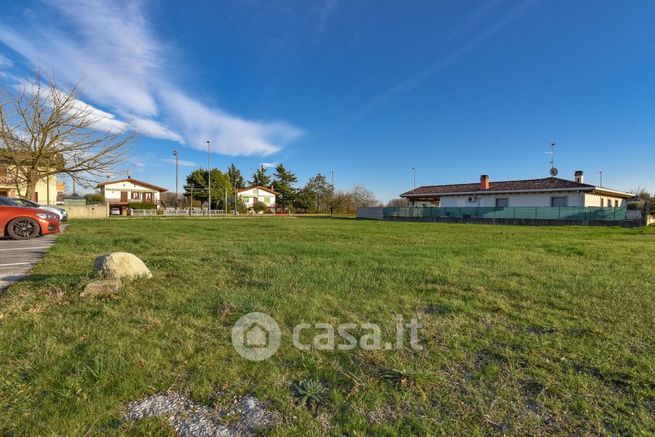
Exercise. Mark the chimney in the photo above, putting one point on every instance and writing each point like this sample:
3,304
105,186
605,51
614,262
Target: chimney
484,182
579,177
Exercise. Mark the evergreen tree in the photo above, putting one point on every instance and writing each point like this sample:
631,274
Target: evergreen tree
283,183
197,183
235,177
260,178
320,190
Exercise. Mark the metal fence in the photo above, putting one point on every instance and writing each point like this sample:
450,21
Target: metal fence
519,212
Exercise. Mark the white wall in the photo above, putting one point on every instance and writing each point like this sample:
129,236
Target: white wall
527,199
595,200
249,196
112,192
530,199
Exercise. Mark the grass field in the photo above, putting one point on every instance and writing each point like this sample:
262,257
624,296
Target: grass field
527,330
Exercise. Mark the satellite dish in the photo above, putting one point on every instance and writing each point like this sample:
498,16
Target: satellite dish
553,171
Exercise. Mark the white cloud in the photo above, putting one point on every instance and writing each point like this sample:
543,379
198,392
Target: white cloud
5,62
268,164
182,162
228,134
109,48
154,129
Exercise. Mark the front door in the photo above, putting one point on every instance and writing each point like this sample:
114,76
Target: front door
123,196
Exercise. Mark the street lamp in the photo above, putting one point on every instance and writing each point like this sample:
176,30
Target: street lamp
177,173
209,179
414,172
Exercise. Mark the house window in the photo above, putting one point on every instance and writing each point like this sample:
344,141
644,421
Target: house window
136,195
559,201
616,204
602,203
502,203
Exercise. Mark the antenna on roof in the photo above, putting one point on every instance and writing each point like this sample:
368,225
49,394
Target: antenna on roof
553,169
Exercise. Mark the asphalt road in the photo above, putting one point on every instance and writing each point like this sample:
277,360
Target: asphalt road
18,257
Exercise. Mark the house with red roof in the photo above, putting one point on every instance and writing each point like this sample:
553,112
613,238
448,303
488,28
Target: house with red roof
550,191
121,193
265,195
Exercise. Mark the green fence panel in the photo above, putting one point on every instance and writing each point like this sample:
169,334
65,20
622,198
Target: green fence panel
519,212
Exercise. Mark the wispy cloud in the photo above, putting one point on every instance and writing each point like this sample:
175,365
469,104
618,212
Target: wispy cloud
474,31
5,62
154,129
111,50
268,164
325,11
182,162
229,134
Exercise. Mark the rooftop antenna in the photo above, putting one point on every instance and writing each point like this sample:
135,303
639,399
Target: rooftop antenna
553,170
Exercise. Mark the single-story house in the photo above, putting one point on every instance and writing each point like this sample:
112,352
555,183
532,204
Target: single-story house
262,194
121,193
550,191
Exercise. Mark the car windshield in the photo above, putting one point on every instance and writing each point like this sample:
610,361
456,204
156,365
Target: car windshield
8,202
25,202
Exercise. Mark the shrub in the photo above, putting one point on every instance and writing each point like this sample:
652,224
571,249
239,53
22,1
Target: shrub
94,198
142,205
259,206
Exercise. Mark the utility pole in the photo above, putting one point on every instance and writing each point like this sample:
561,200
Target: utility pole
209,178
601,177
332,180
414,172
177,174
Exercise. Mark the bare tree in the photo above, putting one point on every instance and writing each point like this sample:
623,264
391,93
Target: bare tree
45,131
399,202
362,197
642,193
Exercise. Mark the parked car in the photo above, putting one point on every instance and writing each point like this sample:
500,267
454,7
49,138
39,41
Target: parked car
61,212
22,223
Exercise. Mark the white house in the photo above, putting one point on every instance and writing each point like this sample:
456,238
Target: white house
262,194
121,193
528,192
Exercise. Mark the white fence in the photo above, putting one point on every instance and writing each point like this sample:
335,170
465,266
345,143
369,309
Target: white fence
196,212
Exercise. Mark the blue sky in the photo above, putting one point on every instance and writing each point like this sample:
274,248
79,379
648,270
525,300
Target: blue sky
368,89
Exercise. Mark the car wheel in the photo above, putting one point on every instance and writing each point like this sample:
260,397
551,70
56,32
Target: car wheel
23,228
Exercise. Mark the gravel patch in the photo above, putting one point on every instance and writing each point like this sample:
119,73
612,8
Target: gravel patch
247,415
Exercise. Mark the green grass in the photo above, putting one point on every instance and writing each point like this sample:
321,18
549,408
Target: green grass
527,330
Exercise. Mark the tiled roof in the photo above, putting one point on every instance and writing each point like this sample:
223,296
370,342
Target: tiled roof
543,184
134,181
270,190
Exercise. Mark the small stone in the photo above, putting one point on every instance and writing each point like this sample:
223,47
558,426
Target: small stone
104,287
121,265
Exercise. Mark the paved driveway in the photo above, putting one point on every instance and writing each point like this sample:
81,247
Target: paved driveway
18,257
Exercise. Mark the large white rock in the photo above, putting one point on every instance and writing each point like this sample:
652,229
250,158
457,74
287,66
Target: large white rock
121,265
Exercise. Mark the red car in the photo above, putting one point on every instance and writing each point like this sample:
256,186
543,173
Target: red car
21,223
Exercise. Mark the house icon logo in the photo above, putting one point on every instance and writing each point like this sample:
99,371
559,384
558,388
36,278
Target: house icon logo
256,336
